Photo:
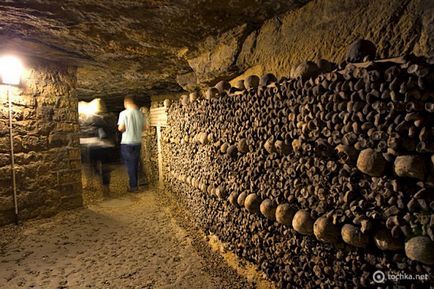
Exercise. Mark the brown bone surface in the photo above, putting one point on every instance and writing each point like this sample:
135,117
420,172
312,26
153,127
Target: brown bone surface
350,149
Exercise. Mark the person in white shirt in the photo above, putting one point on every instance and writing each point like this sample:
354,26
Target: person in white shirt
131,123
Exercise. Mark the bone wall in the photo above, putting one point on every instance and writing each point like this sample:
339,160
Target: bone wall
319,181
47,153
150,156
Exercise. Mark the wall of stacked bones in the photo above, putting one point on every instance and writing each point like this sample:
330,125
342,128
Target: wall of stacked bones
150,155
321,179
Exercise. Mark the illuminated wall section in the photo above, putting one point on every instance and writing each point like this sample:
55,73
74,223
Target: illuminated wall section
46,143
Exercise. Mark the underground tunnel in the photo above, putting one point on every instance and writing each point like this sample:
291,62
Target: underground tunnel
217,144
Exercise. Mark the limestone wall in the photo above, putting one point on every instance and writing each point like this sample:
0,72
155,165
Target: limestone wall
323,29
319,29
47,153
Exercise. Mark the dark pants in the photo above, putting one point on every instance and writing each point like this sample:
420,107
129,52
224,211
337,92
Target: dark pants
99,158
131,156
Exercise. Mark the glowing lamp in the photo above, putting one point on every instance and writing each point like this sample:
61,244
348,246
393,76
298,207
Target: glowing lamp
11,69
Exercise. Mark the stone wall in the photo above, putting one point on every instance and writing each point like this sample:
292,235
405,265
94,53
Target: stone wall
321,29
320,181
47,153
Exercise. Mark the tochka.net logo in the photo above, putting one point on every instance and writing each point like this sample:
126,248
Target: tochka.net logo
380,277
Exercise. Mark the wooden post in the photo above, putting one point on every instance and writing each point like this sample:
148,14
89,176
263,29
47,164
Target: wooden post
160,159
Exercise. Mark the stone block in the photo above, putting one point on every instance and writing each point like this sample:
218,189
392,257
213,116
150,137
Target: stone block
63,102
5,159
6,202
73,139
47,101
27,158
4,144
74,154
34,143
66,127
5,172
56,154
24,101
74,164
25,127
68,176
4,111
4,128
45,113
22,114
49,179
57,140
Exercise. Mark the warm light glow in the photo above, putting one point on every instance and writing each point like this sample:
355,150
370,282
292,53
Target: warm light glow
90,108
11,69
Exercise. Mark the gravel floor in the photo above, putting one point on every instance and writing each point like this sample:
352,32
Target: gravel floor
131,241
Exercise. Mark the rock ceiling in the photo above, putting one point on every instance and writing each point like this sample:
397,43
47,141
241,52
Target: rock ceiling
124,46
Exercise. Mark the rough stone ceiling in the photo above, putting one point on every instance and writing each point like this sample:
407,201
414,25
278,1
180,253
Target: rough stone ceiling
125,46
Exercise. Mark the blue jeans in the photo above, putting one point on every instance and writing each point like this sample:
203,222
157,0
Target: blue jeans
131,156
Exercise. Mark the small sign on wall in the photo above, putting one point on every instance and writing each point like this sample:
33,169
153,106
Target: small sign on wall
158,119
158,116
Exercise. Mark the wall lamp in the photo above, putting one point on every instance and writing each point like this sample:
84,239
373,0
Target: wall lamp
11,69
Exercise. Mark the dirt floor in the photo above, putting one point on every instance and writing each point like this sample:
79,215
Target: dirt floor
133,241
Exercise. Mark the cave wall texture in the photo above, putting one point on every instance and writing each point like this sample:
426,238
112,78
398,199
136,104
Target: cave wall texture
125,47
47,153
320,29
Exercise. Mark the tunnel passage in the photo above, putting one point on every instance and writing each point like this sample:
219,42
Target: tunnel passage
103,171
298,133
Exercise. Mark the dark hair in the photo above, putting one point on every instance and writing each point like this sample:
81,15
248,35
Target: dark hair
130,98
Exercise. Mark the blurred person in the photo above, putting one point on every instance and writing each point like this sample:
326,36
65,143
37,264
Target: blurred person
131,123
98,136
